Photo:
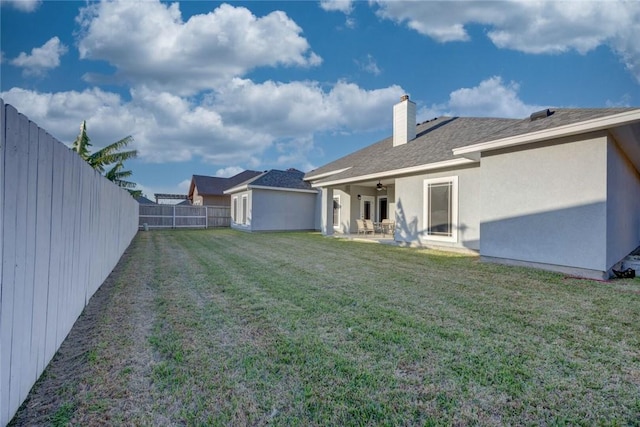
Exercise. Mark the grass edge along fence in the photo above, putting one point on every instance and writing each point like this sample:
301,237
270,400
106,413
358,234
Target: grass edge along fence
63,228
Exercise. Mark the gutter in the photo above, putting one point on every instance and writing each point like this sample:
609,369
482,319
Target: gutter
325,174
600,123
396,172
247,187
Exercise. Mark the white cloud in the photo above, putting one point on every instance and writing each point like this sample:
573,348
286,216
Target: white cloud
41,58
624,101
62,113
296,152
229,171
369,65
148,42
22,5
491,98
233,126
350,23
344,6
299,108
184,185
548,27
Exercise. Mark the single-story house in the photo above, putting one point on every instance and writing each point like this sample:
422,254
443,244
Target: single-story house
558,190
209,190
275,200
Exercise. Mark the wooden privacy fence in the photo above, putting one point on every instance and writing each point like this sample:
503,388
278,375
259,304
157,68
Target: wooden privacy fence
176,216
63,228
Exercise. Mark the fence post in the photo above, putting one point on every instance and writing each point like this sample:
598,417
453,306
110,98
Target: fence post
174,216
206,217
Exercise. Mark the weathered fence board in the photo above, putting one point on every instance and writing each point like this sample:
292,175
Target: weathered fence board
63,228
172,216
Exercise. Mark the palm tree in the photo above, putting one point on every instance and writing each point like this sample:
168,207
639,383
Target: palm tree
117,176
106,156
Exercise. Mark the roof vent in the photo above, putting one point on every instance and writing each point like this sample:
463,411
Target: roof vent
540,115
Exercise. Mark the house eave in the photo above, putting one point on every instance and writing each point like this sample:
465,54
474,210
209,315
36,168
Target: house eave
236,189
397,172
264,187
600,123
326,174
293,190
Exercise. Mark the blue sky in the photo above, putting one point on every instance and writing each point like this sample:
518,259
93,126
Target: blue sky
213,88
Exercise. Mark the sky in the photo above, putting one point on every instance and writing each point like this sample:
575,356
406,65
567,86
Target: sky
213,88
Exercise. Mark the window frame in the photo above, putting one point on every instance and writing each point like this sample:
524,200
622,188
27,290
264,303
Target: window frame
339,209
234,205
453,180
245,208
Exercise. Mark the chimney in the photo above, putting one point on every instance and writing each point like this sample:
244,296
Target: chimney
404,121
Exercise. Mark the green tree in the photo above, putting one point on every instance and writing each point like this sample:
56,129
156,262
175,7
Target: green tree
107,156
118,176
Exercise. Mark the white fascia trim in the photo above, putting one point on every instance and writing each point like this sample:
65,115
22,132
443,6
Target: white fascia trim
294,190
592,125
247,187
323,175
395,172
237,189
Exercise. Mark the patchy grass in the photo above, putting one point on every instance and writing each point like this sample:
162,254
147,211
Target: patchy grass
227,328
62,416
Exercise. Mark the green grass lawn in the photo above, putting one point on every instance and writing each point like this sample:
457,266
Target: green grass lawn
297,329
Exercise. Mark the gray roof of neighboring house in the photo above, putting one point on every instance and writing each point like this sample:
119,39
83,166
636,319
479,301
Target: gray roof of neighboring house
290,179
435,140
215,186
144,201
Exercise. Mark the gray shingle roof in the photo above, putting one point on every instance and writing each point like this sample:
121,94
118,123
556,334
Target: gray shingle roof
290,179
436,139
560,117
144,201
215,186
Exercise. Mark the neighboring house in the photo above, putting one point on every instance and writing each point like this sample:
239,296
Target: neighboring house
558,190
144,201
209,190
274,201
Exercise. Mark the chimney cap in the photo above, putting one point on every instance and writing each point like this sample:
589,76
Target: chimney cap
404,98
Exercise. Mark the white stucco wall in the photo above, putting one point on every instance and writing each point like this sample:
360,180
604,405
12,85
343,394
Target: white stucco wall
547,204
623,204
409,208
273,210
318,212
345,210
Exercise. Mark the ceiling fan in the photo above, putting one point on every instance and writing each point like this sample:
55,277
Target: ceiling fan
380,187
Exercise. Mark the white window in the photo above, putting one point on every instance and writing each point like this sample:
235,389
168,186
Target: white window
235,210
336,212
441,209
244,210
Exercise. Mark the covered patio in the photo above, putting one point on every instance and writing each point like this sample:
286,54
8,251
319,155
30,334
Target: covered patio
364,209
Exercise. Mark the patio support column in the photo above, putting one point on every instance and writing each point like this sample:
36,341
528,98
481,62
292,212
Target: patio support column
326,215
